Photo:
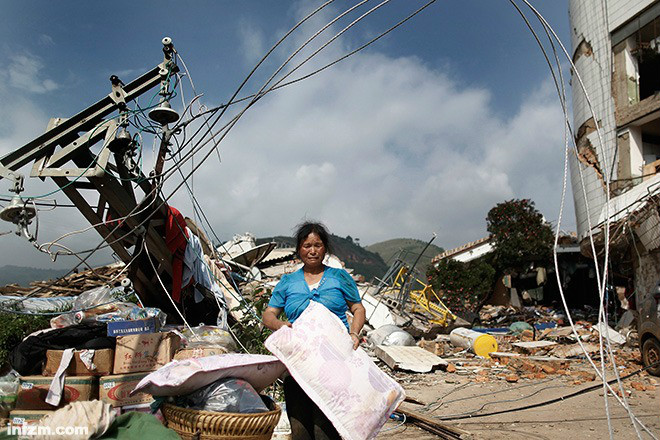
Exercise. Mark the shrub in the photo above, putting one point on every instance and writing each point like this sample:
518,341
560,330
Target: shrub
15,327
250,332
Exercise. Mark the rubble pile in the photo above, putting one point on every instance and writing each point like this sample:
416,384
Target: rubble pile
70,285
553,352
139,361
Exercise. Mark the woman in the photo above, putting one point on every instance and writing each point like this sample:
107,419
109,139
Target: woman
335,289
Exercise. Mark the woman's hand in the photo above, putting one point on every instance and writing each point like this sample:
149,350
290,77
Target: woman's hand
359,316
281,324
356,341
270,320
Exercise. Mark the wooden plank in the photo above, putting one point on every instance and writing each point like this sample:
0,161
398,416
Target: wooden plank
92,217
120,201
433,426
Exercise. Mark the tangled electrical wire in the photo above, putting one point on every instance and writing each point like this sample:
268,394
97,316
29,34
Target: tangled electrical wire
205,133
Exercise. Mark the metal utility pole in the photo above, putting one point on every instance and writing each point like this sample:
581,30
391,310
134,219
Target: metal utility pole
64,154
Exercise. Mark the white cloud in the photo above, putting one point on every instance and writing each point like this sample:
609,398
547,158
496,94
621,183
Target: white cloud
23,73
252,42
46,40
22,118
381,147
376,147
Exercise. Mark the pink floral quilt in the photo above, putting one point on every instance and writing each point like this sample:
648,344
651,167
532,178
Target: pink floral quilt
349,388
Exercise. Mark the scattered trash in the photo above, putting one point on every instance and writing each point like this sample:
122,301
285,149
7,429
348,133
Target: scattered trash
520,326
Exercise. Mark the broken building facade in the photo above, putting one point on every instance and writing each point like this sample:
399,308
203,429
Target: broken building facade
615,49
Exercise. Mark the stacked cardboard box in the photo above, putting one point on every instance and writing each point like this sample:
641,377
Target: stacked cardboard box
110,377
144,352
115,390
32,391
20,417
103,361
135,356
80,383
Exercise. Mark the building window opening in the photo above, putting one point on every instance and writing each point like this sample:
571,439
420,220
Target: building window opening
647,54
651,148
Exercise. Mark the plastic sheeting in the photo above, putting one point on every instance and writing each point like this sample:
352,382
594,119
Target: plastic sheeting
52,304
225,395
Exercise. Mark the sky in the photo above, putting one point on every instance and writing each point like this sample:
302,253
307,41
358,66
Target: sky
422,132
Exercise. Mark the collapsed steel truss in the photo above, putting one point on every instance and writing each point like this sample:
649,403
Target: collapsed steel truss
64,154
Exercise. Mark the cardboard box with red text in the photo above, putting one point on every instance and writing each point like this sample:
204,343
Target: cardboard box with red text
32,391
144,352
115,390
20,417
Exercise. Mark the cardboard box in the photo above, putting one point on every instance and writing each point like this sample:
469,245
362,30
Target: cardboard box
103,360
20,417
115,390
144,352
187,353
32,391
138,326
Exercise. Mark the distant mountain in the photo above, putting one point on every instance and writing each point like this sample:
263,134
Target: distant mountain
361,260
408,248
24,275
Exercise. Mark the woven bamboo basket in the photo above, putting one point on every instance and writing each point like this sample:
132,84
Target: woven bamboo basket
192,424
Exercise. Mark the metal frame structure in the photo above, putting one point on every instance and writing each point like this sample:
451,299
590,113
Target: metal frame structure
64,154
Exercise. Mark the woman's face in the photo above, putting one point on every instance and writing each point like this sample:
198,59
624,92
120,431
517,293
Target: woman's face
312,250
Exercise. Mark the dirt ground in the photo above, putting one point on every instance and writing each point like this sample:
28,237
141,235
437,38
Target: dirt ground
581,417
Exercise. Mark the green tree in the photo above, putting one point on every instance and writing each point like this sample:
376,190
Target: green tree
462,286
519,235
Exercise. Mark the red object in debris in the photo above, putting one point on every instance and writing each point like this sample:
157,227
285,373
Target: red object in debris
176,239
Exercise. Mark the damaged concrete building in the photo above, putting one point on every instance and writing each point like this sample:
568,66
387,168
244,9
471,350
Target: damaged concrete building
616,54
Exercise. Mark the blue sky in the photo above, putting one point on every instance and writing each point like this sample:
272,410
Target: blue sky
422,132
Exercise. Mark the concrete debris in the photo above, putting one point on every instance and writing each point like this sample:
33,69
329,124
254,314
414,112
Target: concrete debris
378,314
613,335
532,346
628,319
413,359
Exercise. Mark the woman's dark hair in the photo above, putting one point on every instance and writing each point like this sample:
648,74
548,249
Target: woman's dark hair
304,229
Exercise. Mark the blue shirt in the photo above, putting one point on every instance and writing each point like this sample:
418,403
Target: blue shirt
336,287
